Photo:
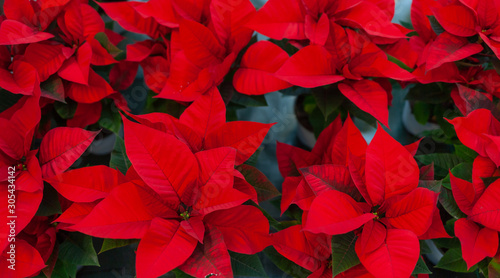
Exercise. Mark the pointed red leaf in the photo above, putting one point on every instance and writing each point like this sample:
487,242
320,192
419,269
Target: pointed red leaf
125,14
125,213
200,44
96,89
310,67
413,212
390,169
100,56
163,162
245,137
449,48
334,213
165,246
211,258
373,235
288,191
301,247
162,12
217,167
486,211
280,19
244,228
326,177
463,193
348,141
375,22
195,227
76,212
61,147
256,75
28,261
206,113
87,184
457,20
13,32
77,69
436,229
482,168
396,257
477,243
291,159
470,129
46,58
317,32
369,96
21,80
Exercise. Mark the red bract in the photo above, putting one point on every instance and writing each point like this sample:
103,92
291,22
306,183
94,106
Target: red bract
313,19
17,158
202,126
205,39
178,200
371,190
480,131
478,233
349,59
468,18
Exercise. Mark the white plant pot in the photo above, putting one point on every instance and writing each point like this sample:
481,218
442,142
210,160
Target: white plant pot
411,124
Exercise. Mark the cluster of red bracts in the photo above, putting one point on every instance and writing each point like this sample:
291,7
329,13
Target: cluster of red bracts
185,196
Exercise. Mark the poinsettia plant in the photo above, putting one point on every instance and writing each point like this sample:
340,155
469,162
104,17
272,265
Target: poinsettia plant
192,186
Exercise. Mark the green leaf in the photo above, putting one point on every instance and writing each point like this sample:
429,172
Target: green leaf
50,203
110,118
494,267
283,44
422,111
64,270
461,171
489,180
436,27
8,99
246,265
284,264
429,93
424,247
399,63
103,39
465,153
442,161
343,254
453,261
420,268
327,100
434,185
53,88
78,249
181,274
265,189
65,111
119,159
109,243
246,100
448,202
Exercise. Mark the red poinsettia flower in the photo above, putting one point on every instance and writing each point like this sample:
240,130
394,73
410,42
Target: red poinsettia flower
202,126
313,20
25,20
180,199
394,213
22,171
480,131
334,146
315,65
463,19
478,233
345,185
205,39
